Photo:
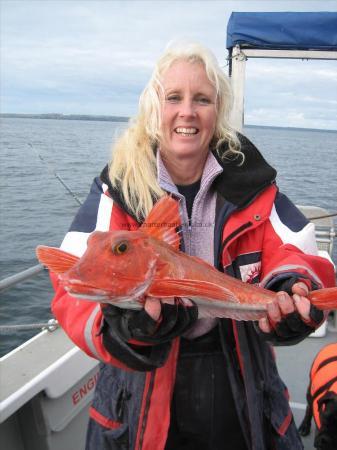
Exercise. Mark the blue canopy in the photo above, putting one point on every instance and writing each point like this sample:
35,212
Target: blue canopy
283,30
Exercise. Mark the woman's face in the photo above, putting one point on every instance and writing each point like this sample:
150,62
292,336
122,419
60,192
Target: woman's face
188,111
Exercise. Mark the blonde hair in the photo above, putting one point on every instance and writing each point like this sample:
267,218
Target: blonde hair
133,168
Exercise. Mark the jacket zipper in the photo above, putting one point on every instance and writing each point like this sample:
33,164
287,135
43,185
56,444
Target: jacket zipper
237,351
146,410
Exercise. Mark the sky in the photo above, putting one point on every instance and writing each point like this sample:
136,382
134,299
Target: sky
95,57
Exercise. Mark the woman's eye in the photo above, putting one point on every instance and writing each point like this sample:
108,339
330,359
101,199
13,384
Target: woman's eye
203,100
174,98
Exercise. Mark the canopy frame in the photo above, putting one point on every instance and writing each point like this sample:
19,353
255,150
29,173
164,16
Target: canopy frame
237,71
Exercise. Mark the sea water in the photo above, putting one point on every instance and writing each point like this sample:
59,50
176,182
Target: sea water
37,209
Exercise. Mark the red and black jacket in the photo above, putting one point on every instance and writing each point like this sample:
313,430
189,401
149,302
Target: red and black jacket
260,236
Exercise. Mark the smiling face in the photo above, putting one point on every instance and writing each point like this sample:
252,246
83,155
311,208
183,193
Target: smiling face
188,111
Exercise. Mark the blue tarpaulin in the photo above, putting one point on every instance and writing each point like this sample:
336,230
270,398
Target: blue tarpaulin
283,30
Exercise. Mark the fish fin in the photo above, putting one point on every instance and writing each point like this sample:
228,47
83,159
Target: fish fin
162,221
57,260
212,300
324,299
223,310
212,313
191,288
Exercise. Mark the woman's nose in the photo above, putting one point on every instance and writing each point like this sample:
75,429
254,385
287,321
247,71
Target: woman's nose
187,108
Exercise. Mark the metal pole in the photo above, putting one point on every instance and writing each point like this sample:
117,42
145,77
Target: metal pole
14,279
238,86
51,325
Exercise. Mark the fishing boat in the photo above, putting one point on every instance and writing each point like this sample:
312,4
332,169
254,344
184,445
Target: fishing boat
47,383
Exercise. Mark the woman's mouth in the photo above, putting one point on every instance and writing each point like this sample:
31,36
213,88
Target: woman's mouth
190,131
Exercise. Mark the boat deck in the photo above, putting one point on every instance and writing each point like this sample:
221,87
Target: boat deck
49,349
294,363
49,362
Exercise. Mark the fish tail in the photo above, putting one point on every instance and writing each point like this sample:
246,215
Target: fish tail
324,299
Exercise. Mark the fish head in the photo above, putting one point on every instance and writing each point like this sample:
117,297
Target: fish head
117,266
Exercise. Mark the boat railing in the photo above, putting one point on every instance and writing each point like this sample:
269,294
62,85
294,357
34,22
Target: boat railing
325,234
324,227
8,282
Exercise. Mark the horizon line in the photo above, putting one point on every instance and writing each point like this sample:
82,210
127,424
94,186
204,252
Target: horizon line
112,118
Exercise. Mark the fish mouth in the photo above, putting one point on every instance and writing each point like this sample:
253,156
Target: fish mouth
101,298
80,290
84,290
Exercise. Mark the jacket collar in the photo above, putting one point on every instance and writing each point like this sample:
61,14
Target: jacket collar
238,184
115,192
210,172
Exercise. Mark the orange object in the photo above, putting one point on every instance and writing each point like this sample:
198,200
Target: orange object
122,267
323,376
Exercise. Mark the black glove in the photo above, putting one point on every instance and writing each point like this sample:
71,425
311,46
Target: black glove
291,329
121,325
175,320
292,325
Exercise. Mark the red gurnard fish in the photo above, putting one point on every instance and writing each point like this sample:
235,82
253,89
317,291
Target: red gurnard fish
122,267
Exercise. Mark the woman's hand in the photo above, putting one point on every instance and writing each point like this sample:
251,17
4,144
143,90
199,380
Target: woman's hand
153,305
286,305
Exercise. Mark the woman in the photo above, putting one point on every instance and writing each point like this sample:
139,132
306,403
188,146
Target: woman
168,380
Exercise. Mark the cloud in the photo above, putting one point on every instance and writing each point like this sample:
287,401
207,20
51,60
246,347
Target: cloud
290,117
96,56
291,93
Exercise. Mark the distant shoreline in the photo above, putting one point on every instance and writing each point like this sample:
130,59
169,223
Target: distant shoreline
290,128
102,118
57,116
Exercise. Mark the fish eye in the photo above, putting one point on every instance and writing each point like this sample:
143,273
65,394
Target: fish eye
120,248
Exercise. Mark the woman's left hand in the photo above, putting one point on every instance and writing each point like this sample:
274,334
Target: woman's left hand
285,305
